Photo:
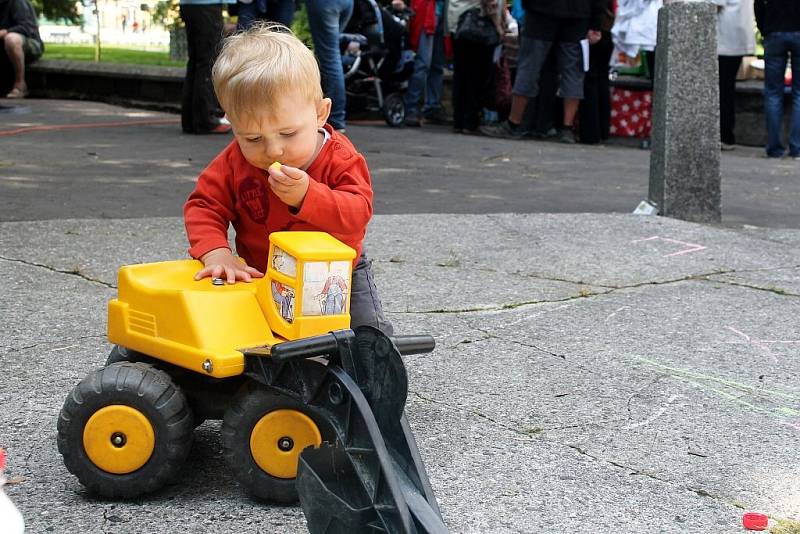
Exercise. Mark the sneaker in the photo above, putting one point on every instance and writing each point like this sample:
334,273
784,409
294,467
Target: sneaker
437,116
18,93
412,121
549,134
725,147
221,128
567,136
503,130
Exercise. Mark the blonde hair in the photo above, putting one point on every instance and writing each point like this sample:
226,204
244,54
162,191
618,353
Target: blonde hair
256,66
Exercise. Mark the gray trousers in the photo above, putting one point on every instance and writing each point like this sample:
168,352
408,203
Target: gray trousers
365,304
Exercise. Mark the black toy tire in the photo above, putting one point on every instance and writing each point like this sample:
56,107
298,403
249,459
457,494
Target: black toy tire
153,394
251,403
394,110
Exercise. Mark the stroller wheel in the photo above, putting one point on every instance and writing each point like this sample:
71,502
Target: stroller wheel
394,110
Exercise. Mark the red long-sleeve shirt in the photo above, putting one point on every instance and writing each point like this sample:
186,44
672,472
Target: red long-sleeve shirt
231,190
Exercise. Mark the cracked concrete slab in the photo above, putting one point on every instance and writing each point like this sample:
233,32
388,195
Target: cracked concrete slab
586,378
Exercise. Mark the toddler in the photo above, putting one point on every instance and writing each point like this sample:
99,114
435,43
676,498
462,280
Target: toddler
286,169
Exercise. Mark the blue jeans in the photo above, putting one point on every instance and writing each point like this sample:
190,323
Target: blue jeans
428,72
273,10
776,47
327,19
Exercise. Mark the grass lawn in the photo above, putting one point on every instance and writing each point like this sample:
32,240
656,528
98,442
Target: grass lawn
109,55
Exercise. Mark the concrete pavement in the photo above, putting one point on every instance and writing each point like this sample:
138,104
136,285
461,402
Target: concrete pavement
593,372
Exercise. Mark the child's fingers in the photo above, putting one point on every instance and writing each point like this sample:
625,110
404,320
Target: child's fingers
205,272
252,271
293,172
281,187
230,275
281,179
280,174
209,271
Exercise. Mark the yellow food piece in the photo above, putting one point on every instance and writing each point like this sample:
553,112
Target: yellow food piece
276,166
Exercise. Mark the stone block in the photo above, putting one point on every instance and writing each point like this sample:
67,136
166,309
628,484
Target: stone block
685,153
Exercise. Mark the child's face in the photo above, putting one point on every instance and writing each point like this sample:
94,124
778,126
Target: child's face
288,133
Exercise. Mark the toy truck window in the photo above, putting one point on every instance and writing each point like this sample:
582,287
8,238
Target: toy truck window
326,287
284,263
283,296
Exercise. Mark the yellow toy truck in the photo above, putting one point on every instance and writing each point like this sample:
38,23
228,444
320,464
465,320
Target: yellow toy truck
310,409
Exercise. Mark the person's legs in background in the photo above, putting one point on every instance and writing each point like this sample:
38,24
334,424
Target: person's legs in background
13,45
461,62
327,19
536,41
774,70
203,34
472,68
281,11
419,80
543,114
794,133
589,111
603,58
570,32
480,74
532,55
246,15
728,67
432,111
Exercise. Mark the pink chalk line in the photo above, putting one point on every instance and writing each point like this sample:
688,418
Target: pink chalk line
692,246
762,344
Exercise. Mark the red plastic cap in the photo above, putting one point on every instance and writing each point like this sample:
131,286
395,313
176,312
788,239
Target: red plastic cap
755,521
2,459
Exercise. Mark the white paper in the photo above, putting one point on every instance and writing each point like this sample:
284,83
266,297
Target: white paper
585,50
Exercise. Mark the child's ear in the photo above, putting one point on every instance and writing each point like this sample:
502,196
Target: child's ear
323,111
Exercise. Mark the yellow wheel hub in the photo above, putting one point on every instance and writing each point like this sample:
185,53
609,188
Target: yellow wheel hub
279,437
118,439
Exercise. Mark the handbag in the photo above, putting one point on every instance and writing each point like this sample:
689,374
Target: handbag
475,28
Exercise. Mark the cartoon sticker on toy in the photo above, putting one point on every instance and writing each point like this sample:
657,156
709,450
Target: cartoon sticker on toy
325,287
283,296
333,296
283,262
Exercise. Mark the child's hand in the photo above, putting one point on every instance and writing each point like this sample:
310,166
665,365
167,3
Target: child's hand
289,183
220,261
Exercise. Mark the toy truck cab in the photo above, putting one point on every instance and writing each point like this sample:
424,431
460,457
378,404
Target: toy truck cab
204,325
309,275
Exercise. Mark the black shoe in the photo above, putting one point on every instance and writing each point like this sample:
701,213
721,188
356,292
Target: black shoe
412,121
437,116
503,130
567,136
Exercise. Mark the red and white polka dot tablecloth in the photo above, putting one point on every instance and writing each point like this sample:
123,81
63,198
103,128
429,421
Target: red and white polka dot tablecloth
631,113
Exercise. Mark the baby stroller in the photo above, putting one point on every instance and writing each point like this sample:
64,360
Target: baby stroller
377,61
